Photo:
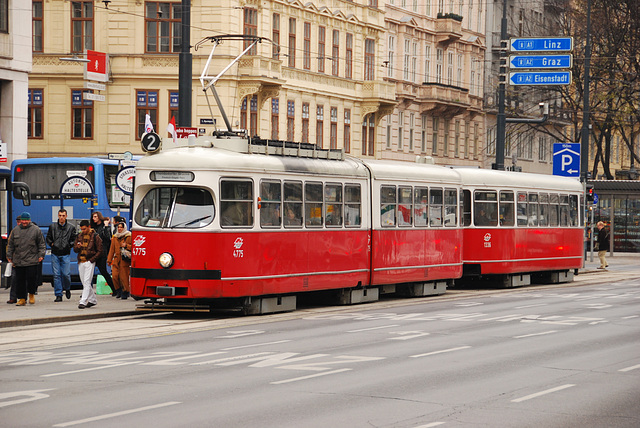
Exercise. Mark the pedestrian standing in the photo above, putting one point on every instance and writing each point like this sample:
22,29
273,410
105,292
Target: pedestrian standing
11,280
26,248
89,247
120,258
61,237
101,226
603,245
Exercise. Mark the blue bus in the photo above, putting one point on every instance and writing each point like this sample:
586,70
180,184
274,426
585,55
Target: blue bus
44,178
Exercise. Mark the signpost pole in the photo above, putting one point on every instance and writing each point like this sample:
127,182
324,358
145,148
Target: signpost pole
502,123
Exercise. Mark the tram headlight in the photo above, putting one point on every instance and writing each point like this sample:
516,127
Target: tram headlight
166,260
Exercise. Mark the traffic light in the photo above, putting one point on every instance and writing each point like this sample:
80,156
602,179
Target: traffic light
589,194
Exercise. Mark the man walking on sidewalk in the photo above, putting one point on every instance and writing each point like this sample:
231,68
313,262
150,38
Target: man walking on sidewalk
60,238
603,245
25,249
89,248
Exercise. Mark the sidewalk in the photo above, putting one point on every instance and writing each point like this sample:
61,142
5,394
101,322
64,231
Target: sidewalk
621,266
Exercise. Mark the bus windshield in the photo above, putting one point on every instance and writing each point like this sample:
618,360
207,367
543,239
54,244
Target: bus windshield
175,207
44,180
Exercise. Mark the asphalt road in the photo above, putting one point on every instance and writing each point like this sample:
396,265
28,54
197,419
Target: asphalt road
534,357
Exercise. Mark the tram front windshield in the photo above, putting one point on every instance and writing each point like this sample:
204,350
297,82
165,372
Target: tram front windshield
176,207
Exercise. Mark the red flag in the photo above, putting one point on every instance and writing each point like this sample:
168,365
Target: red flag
171,129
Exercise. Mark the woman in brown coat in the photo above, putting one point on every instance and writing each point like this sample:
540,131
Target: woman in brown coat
120,243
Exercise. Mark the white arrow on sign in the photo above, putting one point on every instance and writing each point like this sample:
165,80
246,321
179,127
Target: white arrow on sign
35,394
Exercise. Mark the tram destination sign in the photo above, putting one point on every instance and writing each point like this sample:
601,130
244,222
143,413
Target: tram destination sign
540,61
540,78
541,44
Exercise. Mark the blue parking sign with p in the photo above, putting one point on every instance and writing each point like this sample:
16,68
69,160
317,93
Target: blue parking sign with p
566,159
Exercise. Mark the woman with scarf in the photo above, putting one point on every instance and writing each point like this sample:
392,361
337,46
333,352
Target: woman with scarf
120,259
104,232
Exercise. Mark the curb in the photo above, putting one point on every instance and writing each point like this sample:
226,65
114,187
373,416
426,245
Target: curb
65,318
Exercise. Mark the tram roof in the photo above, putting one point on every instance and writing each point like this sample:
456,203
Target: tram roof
524,180
398,170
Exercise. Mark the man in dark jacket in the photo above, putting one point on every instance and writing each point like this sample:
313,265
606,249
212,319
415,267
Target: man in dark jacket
60,238
89,248
603,245
25,249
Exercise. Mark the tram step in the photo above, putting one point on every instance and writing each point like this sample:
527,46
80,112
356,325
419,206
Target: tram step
350,296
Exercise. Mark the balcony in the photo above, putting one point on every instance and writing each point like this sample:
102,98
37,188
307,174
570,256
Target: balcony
447,100
448,30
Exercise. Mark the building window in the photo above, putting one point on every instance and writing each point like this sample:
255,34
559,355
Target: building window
292,42
414,61
412,124
275,117
335,53
405,68
400,129
319,126
388,145
347,130
423,136
434,136
81,25
306,48
369,59
368,134
445,141
305,122
291,120
163,26
243,113
333,134
146,103
439,64
275,36
250,28
450,68
4,16
427,63
321,44
476,140
391,51
82,115
542,149
467,131
456,139
253,116
459,75
174,103
348,62
38,23
35,113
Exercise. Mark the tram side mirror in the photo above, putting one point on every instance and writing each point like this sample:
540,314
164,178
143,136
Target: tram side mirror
21,191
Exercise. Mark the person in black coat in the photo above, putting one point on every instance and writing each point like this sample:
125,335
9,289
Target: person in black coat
100,225
603,245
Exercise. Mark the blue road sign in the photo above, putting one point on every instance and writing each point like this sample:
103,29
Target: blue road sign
595,199
566,159
540,61
540,78
553,44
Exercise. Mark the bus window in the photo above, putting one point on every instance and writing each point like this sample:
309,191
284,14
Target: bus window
522,209
485,208
421,198
387,205
507,213
435,207
564,210
450,207
554,210
333,204
353,205
573,210
44,179
236,203
175,207
313,204
270,204
292,204
544,209
115,197
405,206
532,210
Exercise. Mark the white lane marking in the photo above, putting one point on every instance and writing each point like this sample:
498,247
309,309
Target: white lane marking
432,424
628,369
439,352
535,334
538,394
34,394
468,304
531,306
241,333
256,344
91,369
630,317
113,415
295,379
373,328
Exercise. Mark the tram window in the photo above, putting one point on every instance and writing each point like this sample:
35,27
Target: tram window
506,208
292,204
405,205
387,205
485,208
421,198
450,207
333,204
465,207
270,204
532,210
435,207
544,209
236,203
313,204
352,205
554,210
573,210
522,209
176,207
564,210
